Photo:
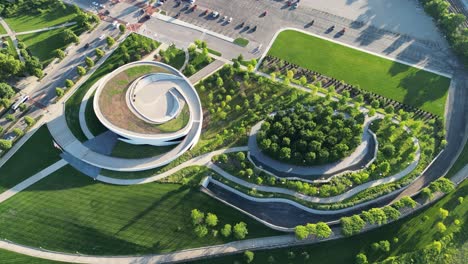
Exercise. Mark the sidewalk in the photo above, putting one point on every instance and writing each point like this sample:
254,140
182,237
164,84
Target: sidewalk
31,180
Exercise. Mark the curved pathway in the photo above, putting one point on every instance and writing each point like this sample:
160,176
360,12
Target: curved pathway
64,137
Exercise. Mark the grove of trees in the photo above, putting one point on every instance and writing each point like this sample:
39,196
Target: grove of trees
310,136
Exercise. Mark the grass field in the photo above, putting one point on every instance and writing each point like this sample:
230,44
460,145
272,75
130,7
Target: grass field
69,212
27,22
42,44
394,80
8,257
413,233
36,154
2,30
461,162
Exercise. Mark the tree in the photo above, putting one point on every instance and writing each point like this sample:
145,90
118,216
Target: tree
69,83
110,41
443,213
303,80
352,225
361,258
389,109
219,82
9,66
5,102
248,256
375,216
384,245
59,54
89,62
226,230
427,193
59,92
197,216
240,156
211,219
81,70
323,230
391,213
301,232
99,53
441,228
122,28
6,91
201,231
388,150
240,230
5,144
69,36
18,132
29,121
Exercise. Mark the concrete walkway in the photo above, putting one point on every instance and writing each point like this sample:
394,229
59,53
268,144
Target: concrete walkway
201,160
12,35
46,29
206,71
31,180
188,25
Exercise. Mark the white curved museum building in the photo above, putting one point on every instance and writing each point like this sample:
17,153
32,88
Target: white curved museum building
148,102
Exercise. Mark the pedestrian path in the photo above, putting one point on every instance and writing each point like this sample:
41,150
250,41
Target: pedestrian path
46,29
206,71
12,35
31,180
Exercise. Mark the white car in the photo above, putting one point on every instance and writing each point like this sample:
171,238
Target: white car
102,6
215,14
192,2
224,18
229,20
103,36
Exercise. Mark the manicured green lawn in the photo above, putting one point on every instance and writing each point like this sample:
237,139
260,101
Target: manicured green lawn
8,257
70,212
27,22
129,151
42,44
2,30
394,80
460,163
413,233
36,154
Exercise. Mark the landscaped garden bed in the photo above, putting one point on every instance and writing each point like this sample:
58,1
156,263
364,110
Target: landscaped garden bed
393,80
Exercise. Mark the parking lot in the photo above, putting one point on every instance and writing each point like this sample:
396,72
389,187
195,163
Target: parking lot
399,16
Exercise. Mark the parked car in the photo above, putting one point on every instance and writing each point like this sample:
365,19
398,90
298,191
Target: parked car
215,14
229,20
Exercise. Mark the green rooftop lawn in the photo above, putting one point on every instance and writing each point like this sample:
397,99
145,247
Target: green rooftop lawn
391,79
70,212
42,44
36,154
74,102
27,22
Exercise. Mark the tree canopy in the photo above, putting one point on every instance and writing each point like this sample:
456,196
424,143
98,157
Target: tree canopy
310,135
